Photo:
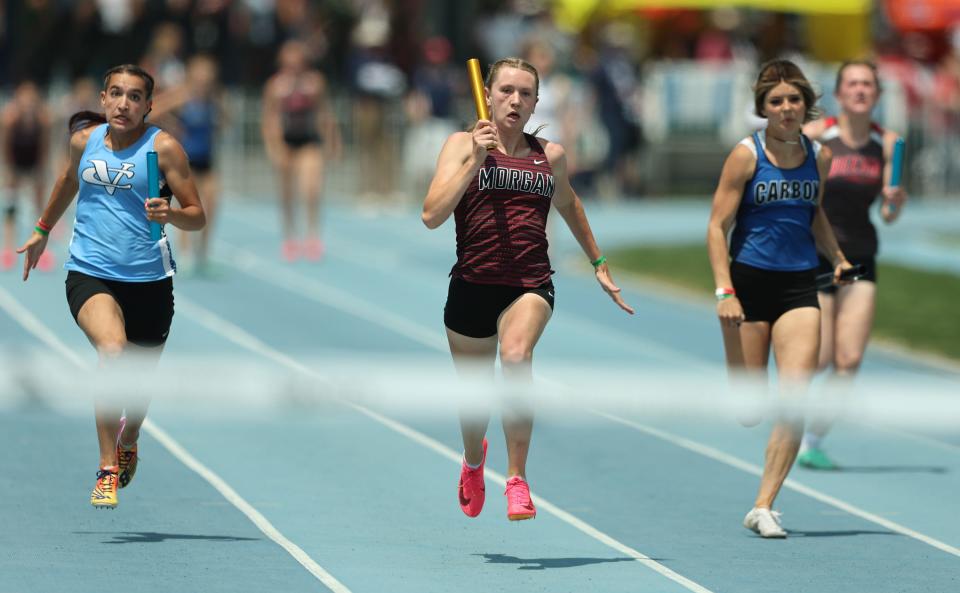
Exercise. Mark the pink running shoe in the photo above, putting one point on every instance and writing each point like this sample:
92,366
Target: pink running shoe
472,490
7,259
290,250
46,261
313,249
519,505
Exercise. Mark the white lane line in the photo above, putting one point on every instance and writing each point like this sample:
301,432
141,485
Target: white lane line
263,272
242,338
29,321
262,523
756,470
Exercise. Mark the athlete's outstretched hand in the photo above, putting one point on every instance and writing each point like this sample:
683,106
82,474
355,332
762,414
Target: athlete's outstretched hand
33,248
606,281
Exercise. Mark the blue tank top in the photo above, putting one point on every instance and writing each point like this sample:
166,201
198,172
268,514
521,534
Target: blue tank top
773,227
198,120
111,234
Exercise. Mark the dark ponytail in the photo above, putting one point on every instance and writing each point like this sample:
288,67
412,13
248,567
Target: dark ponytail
84,119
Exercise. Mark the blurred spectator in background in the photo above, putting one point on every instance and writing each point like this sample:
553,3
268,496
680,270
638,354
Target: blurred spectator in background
24,137
552,112
618,94
297,125
84,95
430,111
124,32
80,40
374,51
378,85
164,58
32,27
945,121
198,113
253,29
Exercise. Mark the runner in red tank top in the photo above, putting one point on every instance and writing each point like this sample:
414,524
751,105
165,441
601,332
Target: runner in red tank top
862,169
499,182
502,217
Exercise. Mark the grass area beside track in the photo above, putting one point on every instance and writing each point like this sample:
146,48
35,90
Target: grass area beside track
917,309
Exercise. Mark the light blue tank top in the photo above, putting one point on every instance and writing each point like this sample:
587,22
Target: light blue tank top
111,234
773,227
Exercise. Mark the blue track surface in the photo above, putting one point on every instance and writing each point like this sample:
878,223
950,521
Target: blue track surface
371,499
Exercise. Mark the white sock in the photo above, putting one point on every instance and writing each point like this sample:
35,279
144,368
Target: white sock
810,441
470,465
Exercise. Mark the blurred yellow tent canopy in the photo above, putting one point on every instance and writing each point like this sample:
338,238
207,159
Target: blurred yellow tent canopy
574,14
795,6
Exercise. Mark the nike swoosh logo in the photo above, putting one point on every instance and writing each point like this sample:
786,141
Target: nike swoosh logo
536,162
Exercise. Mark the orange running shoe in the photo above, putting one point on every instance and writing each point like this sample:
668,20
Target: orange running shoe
104,495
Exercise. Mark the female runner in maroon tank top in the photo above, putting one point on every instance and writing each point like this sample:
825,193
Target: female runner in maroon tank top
299,134
499,182
861,170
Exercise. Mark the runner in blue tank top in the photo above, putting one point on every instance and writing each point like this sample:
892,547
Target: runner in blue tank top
119,281
769,192
199,111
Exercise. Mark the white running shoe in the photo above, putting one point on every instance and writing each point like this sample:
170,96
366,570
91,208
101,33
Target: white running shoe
765,522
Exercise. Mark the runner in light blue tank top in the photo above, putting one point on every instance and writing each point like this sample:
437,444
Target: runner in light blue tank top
111,234
119,282
773,229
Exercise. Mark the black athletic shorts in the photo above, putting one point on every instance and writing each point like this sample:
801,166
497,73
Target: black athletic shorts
765,295
869,271
473,309
147,306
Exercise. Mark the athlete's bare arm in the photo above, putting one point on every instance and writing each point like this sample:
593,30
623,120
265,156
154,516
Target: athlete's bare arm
63,192
461,157
175,167
568,204
893,197
737,170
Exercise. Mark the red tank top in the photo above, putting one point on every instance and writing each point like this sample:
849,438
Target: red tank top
502,221
855,181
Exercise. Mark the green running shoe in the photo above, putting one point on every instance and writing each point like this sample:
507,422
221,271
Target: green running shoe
815,459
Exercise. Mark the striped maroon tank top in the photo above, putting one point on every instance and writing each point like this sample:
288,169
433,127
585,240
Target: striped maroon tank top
502,221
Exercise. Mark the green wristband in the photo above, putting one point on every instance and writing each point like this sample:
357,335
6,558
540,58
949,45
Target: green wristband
599,261
41,231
